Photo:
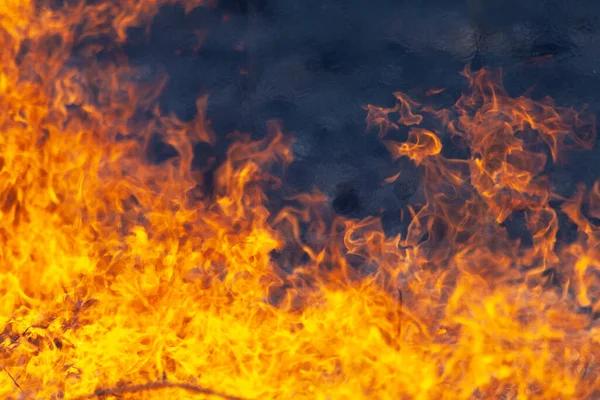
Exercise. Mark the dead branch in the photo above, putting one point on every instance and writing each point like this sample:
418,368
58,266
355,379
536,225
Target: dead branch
11,377
130,389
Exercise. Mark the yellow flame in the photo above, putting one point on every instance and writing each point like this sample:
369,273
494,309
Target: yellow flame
119,279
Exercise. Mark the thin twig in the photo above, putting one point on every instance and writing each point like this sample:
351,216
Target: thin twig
11,377
121,390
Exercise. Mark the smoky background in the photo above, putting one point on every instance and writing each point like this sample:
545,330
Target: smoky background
315,65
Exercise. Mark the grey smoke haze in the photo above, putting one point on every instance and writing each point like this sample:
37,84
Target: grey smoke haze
315,64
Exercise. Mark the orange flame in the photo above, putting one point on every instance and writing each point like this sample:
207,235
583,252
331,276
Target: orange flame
119,279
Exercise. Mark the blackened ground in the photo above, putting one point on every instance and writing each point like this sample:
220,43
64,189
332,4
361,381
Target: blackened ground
314,64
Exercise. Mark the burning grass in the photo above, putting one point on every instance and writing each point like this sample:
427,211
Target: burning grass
123,279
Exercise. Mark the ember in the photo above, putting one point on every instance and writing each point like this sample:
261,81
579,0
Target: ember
126,274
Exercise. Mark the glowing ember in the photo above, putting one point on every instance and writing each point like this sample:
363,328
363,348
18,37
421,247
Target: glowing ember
120,278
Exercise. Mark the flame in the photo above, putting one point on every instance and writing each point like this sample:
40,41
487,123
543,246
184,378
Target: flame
392,179
122,278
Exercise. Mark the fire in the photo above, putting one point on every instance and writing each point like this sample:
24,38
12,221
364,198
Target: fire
122,278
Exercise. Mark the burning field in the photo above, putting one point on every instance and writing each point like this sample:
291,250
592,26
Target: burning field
126,276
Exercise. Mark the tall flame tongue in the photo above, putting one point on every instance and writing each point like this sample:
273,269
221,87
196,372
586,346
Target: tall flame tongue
120,278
